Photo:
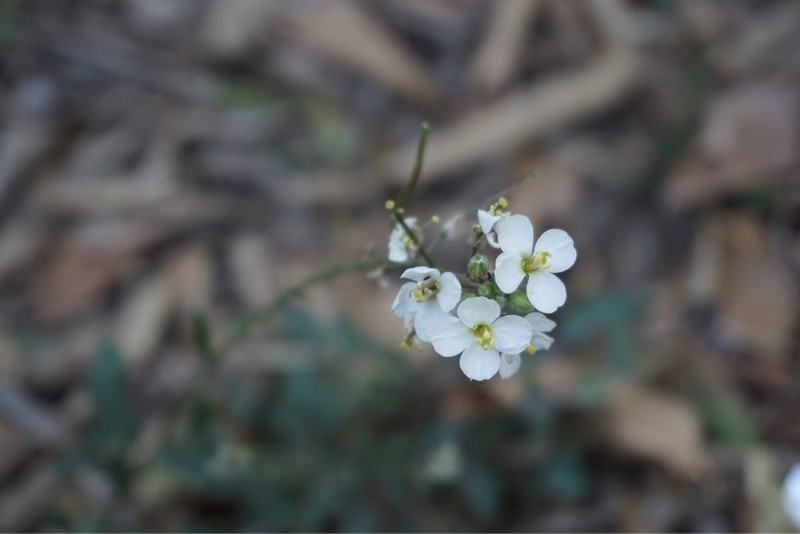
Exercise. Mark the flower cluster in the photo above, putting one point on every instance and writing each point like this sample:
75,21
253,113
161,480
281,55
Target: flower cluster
497,320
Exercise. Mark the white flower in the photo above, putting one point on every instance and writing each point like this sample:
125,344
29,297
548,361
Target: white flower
487,222
510,363
791,495
554,253
425,300
488,219
478,333
540,325
400,243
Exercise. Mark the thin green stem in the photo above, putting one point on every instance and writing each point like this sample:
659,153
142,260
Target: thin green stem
466,282
242,328
414,238
408,190
485,202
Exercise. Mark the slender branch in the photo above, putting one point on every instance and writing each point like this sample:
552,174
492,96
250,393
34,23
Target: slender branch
408,189
503,192
244,325
485,202
414,238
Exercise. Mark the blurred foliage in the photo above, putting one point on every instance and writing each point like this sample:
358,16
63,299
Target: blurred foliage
358,443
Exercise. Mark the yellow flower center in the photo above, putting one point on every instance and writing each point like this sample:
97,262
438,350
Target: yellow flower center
425,291
483,336
530,349
496,209
539,260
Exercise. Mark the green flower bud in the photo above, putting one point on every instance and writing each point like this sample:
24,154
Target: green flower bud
487,290
478,266
475,236
501,300
518,300
468,296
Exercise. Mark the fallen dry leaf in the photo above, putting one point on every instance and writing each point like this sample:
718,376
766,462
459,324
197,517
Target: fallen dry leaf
251,265
749,138
500,50
655,426
343,32
757,300
499,128
142,319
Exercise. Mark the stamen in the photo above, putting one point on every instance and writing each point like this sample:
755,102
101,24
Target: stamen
483,336
540,260
425,291
530,349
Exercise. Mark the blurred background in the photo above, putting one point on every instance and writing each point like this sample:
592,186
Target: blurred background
170,168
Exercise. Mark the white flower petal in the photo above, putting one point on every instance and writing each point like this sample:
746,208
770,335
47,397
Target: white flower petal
478,310
508,271
560,245
790,495
427,319
541,341
515,234
449,291
479,364
397,249
487,221
404,304
540,323
418,274
511,333
509,364
545,291
450,336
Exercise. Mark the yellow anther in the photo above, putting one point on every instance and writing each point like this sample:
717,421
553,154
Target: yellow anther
483,336
400,210
536,262
435,219
530,350
389,204
425,291
502,202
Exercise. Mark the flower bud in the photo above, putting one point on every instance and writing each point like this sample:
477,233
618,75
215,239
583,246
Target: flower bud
487,290
518,300
475,236
478,266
